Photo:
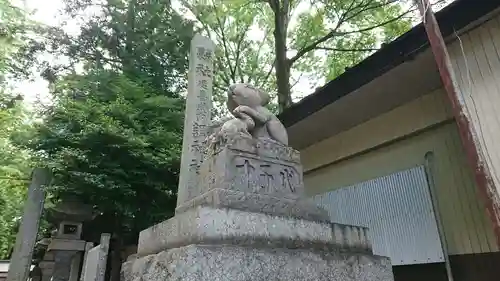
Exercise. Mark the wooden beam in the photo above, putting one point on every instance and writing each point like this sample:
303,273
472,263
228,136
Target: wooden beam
468,134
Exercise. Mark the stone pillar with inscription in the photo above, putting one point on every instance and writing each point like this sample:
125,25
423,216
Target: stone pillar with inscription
246,218
197,117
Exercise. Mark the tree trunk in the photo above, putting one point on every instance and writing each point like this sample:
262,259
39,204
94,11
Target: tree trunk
282,62
127,58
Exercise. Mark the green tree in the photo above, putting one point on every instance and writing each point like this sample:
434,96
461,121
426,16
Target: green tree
15,162
317,39
143,39
14,171
114,143
113,132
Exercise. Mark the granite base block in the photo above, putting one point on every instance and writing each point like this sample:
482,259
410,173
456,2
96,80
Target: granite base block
205,225
232,263
255,202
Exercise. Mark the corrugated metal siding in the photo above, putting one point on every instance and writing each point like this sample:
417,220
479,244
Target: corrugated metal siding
466,226
476,59
398,211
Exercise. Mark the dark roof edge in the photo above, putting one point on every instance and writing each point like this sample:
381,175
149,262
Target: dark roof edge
451,18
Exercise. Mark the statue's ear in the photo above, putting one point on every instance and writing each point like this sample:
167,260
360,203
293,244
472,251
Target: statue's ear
264,97
230,103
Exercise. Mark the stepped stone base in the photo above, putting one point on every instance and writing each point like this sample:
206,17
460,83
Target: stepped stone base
247,219
210,226
254,202
236,263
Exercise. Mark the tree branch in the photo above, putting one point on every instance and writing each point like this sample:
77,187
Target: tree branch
238,52
377,25
296,81
224,44
270,71
331,34
195,14
223,75
274,4
258,53
347,50
335,33
219,87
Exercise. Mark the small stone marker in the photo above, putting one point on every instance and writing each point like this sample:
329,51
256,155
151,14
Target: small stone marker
26,237
95,264
197,115
88,247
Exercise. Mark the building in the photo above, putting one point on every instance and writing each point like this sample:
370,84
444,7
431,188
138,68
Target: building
4,269
381,148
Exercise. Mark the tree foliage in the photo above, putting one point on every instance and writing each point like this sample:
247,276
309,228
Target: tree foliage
15,162
14,172
113,132
275,43
114,143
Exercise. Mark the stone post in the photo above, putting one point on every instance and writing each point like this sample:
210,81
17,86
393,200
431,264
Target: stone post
47,268
62,265
75,267
26,237
197,116
88,246
95,264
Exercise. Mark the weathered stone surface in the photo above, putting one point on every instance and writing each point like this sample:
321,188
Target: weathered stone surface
254,166
62,265
47,268
231,263
255,202
197,118
241,211
94,268
26,237
204,225
66,245
251,117
88,247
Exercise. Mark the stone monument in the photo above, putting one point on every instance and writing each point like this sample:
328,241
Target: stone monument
243,216
94,267
64,252
28,230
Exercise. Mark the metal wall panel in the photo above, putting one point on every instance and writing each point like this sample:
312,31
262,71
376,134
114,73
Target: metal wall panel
398,211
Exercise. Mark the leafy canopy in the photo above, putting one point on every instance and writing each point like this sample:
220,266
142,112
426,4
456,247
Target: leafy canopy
113,134
114,143
277,44
15,162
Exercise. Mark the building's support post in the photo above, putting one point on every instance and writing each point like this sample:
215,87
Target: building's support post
429,171
468,133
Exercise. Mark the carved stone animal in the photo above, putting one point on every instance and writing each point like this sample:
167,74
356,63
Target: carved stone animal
242,124
246,99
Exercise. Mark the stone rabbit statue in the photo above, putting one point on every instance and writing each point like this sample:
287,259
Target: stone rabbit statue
247,104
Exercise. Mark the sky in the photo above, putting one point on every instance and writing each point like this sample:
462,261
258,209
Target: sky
47,12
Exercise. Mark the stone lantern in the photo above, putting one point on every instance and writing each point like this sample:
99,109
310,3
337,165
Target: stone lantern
64,251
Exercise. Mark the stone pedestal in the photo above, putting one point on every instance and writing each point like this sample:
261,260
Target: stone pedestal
234,263
62,265
47,268
250,221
